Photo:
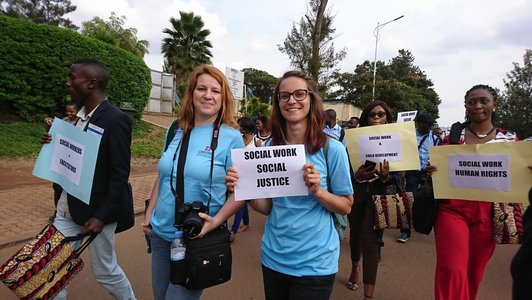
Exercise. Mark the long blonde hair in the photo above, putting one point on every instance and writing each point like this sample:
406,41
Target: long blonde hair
226,110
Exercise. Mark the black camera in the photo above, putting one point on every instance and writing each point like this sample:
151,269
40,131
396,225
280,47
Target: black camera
192,222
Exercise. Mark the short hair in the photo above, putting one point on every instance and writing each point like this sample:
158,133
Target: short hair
354,118
331,113
226,110
365,113
315,138
246,124
73,103
95,69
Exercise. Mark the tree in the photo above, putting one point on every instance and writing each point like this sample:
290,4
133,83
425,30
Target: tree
49,12
310,48
515,104
186,46
401,84
260,83
113,32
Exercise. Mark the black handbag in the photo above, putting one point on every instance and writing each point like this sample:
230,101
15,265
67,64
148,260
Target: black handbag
209,259
425,208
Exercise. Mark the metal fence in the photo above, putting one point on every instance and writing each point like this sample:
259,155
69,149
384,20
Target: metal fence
163,94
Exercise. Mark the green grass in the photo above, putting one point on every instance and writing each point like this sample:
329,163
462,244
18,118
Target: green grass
20,139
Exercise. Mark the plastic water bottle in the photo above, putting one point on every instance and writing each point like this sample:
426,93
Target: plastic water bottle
178,273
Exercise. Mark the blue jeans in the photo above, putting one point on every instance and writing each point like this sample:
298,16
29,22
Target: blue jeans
242,213
162,288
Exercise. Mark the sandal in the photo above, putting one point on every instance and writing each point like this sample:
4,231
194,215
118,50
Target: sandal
352,281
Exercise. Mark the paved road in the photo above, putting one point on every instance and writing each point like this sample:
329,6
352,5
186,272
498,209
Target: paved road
405,272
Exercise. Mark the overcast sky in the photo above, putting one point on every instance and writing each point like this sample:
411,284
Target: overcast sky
458,43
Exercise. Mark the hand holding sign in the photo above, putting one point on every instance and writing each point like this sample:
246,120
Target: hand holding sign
312,178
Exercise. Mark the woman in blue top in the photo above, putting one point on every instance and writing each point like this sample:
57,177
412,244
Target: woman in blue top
207,99
300,246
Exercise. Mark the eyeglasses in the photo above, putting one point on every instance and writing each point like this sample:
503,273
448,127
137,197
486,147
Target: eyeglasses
299,95
380,114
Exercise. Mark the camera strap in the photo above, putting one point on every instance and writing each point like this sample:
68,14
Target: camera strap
183,150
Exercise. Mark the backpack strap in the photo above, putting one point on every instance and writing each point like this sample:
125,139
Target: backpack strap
172,130
342,135
456,131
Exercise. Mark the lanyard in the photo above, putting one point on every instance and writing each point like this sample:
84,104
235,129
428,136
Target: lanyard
178,192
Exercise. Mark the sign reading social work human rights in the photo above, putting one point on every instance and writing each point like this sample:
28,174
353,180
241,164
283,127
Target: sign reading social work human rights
267,172
397,143
496,172
69,159
406,116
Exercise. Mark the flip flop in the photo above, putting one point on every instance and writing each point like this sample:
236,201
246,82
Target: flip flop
351,285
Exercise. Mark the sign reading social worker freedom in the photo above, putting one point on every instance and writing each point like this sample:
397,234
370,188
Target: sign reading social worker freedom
268,172
69,160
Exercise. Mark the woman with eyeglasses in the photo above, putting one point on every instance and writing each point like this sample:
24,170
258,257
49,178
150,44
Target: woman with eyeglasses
463,231
300,246
369,181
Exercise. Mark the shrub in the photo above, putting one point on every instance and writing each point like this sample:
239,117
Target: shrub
35,61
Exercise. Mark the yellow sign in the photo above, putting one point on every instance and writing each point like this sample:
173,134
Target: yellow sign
496,172
397,143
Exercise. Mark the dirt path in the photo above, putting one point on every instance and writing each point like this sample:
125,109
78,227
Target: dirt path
17,172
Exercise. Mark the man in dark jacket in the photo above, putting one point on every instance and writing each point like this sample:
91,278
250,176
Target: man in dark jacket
110,208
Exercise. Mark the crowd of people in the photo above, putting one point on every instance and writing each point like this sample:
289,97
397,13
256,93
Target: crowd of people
300,247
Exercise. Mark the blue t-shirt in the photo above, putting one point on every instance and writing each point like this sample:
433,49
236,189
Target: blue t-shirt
197,174
424,149
299,237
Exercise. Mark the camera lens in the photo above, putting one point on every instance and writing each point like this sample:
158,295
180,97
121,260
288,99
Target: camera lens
192,224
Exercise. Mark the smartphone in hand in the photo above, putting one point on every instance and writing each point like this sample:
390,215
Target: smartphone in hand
371,164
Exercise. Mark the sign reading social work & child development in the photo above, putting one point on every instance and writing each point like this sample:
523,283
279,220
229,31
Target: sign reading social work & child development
397,143
496,172
267,172
69,159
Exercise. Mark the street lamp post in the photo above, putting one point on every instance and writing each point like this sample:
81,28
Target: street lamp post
376,34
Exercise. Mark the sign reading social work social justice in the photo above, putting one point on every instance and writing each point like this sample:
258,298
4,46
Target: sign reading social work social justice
397,143
267,172
406,116
69,159
496,172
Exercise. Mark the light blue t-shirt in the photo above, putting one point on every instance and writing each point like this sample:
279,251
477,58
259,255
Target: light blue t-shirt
424,149
197,174
299,237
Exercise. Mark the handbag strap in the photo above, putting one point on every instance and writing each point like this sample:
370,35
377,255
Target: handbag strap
79,237
180,179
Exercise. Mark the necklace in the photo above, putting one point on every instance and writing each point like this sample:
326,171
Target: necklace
481,136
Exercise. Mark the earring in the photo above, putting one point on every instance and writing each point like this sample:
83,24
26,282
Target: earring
494,110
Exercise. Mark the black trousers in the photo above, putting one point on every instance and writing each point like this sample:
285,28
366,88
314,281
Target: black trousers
279,286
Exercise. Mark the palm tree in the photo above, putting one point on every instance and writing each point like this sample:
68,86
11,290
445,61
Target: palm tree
186,46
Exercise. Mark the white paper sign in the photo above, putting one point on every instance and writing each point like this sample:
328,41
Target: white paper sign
267,172
378,147
406,116
67,158
480,171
